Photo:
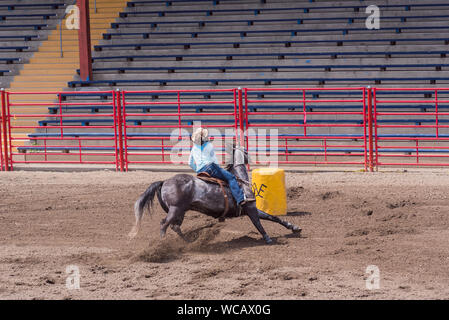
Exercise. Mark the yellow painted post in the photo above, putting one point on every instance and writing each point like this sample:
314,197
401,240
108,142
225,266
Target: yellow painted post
269,188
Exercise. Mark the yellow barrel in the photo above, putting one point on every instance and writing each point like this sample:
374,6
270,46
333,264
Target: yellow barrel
269,188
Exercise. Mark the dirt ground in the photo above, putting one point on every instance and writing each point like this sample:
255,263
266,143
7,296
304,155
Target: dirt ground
397,221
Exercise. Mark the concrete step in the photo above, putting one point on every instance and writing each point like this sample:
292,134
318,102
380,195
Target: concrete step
243,84
286,8
268,62
332,37
275,75
55,72
71,37
263,16
311,25
37,87
204,44
42,78
32,98
267,50
45,66
318,34
57,54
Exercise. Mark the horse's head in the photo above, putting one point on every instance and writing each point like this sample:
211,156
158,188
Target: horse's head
240,156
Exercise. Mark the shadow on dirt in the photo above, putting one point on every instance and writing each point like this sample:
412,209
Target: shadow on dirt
201,241
298,213
248,242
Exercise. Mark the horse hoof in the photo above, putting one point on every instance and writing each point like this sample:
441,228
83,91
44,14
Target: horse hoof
296,229
268,239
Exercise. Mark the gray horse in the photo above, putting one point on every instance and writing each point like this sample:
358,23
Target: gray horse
185,192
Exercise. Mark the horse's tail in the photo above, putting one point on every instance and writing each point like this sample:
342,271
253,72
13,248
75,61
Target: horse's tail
146,199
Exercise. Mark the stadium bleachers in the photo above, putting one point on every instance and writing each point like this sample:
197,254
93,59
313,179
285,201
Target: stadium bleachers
271,42
214,44
24,24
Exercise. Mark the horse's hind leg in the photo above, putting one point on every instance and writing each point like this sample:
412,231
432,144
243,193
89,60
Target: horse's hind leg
176,227
174,214
286,224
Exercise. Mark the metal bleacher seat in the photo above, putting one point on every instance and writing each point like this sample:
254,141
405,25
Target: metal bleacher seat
304,9
14,48
264,81
245,33
275,68
44,16
35,26
19,37
278,55
12,6
171,2
285,43
9,60
350,20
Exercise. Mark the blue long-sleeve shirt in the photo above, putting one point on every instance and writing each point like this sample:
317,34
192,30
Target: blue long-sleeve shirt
201,156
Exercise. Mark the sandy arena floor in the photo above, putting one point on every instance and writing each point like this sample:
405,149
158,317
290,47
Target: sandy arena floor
396,221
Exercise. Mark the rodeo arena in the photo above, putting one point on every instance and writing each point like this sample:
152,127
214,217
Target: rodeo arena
224,150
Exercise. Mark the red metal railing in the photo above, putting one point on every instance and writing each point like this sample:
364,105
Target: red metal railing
309,130
315,126
411,127
4,165
64,136
152,136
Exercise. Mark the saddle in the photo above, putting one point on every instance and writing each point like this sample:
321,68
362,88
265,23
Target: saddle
206,177
246,187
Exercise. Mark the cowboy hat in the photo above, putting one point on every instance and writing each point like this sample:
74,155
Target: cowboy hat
200,135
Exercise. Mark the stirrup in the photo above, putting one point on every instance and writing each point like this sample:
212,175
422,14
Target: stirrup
244,201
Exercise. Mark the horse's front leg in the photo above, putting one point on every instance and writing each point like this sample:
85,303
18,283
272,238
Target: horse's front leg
251,210
286,224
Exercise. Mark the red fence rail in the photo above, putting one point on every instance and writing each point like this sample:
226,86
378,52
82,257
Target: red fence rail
308,127
411,130
157,123
4,164
43,129
364,127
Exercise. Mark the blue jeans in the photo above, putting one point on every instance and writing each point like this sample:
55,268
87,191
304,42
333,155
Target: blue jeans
214,170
